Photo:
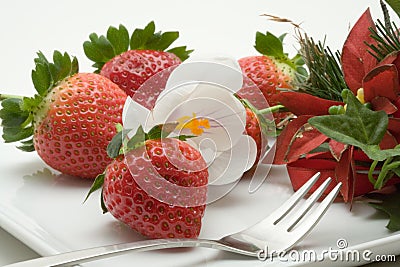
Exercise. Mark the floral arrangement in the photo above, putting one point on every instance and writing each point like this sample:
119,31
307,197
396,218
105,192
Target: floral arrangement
347,117
163,139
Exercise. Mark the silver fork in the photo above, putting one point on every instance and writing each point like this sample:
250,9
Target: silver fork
277,233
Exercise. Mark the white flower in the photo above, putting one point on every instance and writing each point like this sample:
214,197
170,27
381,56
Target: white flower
199,97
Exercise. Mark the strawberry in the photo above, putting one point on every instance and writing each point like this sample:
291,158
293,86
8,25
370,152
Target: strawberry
130,60
253,129
270,71
71,118
124,194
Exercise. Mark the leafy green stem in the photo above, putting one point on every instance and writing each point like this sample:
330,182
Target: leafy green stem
384,175
272,109
6,96
371,171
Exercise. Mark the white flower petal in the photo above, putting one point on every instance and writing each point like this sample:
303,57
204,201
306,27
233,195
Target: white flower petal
214,104
231,164
133,114
225,74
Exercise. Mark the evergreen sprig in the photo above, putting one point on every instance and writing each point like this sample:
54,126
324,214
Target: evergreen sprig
326,79
387,37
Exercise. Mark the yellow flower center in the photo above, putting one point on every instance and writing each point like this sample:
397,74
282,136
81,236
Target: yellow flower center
194,124
360,95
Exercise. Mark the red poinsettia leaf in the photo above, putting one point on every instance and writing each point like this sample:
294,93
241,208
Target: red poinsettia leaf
337,149
397,104
304,104
301,170
388,141
394,128
284,140
305,140
319,155
356,61
343,174
392,58
381,81
383,103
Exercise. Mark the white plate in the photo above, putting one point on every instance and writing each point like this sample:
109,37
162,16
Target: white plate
45,211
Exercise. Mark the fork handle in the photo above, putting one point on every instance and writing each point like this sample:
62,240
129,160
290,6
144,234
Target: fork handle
91,254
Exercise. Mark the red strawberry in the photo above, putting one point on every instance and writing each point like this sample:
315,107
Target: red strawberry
271,71
253,129
127,200
72,118
130,60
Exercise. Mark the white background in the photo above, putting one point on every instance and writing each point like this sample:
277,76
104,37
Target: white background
211,27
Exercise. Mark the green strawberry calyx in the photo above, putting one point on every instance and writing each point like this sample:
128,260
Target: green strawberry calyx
272,46
18,113
101,49
120,144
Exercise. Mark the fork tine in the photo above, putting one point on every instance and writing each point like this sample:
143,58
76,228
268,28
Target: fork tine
286,207
306,206
313,218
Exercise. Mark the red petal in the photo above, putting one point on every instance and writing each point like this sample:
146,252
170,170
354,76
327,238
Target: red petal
284,139
307,141
356,61
381,81
337,149
320,155
394,128
302,170
388,141
383,103
305,104
343,174
397,104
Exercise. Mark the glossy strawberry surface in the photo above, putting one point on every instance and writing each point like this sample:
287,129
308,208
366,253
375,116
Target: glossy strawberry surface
253,129
132,68
131,203
75,122
267,74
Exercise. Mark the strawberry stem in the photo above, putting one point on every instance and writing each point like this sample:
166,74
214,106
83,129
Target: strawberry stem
272,109
6,96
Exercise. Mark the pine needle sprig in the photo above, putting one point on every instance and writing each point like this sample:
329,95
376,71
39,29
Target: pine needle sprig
387,38
326,79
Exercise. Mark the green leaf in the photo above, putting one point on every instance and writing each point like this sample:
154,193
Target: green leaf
119,38
181,52
41,78
162,41
140,37
30,103
114,147
61,67
102,204
14,134
11,114
184,137
97,184
17,112
27,146
15,121
136,141
161,130
375,153
99,49
359,126
395,5
389,204
46,74
269,45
